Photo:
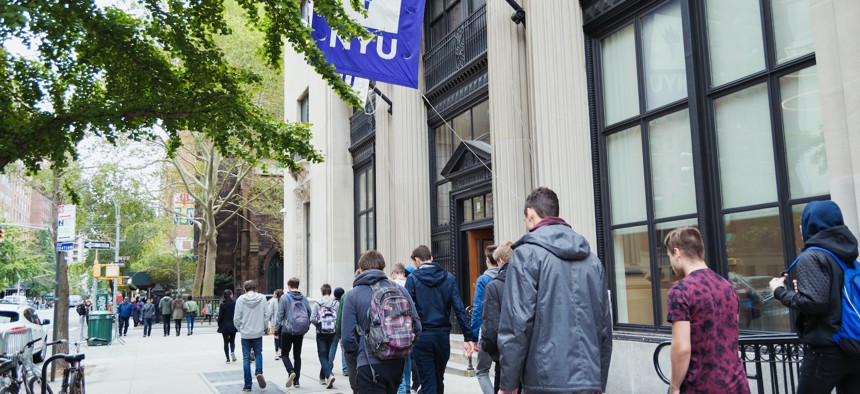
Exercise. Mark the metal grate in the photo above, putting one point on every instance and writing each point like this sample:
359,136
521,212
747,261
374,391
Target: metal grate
458,49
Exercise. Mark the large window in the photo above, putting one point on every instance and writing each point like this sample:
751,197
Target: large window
365,204
444,16
727,137
473,124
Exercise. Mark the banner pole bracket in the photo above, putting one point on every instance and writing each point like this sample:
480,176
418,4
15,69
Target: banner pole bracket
384,98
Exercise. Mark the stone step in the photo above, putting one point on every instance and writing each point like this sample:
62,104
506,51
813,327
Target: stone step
457,356
459,369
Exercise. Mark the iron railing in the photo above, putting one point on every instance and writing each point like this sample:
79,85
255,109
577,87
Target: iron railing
458,49
772,362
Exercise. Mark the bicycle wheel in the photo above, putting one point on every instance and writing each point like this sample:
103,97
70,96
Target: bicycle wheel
10,390
35,385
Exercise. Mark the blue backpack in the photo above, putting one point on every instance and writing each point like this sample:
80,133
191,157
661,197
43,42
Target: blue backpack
848,336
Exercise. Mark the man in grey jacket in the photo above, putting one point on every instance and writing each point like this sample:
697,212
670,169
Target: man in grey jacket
250,320
555,331
165,306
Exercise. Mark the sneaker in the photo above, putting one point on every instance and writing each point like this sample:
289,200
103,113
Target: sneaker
345,372
246,389
291,379
323,381
277,357
228,361
233,357
330,382
296,385
261,381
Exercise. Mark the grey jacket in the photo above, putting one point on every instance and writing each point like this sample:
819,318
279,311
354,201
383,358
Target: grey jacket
555,328
250,315
166,305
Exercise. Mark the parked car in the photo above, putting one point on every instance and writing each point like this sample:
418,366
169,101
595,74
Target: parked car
15,299
13,315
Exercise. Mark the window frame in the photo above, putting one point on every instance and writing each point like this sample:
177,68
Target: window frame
700,102
362,214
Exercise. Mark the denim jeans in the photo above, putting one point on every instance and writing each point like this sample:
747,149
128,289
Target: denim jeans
431,353
147,326
483,372
382,378
165,319
406,381
247,345
822,370
343,361
325,342
178,325
189,319
293,342
332,353
84,327
123,324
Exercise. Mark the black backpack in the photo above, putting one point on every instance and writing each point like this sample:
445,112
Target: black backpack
81,309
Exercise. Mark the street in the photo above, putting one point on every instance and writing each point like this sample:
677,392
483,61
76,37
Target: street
195,364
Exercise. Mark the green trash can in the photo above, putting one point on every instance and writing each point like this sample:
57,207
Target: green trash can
100,325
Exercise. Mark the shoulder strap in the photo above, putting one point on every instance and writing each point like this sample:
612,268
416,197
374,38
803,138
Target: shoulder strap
838,260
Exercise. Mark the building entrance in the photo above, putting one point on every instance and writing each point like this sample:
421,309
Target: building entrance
476,243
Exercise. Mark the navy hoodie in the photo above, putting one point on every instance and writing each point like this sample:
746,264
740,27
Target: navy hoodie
355,316
435,293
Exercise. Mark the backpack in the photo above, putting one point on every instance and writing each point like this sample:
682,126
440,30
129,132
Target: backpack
327,317
848,336
297,321
389,335
81,309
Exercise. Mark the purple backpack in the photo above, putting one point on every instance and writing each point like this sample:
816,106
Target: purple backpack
389,335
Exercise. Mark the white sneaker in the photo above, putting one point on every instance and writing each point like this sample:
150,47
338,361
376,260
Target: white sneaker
330,382
290,379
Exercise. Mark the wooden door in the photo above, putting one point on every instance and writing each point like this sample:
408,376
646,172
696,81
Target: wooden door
477,241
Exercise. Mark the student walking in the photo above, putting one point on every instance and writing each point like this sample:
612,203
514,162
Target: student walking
226,328
207,312
271,315
494,293
815,293
556,305
83,310
399,275
338,295
165,306
324,317
178,313
135,315
148,314
703,310
250,320
293,322
124,311
484,361
435,293
376,305
191,312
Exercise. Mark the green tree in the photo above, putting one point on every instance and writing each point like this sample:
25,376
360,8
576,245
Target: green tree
19,260
118,74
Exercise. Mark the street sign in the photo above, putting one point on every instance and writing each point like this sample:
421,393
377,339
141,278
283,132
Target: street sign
118,264
97,245
65,224
65,247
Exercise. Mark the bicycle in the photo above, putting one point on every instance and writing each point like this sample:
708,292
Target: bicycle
73,374
19,371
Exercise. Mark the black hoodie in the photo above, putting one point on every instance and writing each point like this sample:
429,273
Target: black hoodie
435,293
819,277
494,295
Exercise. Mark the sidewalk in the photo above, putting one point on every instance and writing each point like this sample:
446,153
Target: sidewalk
195,364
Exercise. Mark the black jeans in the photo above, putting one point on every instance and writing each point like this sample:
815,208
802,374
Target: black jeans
178,325
165,319
295,342
123,325
229,344
388,376
431,354
828,368
352,366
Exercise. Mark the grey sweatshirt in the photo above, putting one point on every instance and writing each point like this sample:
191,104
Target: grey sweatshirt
250,316
325,301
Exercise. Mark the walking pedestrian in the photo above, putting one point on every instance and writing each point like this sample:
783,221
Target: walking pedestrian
494,293
484,361
124,311
399,275
136,311
271,315
226,328
250,320
703,309
207,312
292,323
378,305
83,311
556,305
148,315
338,295
191,312
815,295
165,306
155,302
324,317
178,313
435,293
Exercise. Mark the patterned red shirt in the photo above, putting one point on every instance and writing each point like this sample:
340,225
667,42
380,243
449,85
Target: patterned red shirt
710,304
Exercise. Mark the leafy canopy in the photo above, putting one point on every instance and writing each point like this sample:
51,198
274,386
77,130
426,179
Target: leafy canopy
120,74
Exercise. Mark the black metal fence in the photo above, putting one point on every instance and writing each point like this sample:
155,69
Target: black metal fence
772,362
459,48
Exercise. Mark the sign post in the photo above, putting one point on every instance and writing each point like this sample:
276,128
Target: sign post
66,215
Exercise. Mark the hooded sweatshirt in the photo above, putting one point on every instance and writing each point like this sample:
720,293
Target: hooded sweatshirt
284,307
327,302
249,317
819,277
435,293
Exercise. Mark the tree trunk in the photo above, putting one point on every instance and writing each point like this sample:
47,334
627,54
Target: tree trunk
211,255
61,292
197,287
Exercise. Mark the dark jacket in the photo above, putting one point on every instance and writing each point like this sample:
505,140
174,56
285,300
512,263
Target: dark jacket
556,312
819,277
126,309
225,317
285,305
165,304
355,316
478,301
494,293
148,311
434,292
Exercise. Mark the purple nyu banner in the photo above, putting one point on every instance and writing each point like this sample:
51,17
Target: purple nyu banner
392,56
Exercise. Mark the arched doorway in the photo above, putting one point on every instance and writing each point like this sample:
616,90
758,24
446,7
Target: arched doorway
275,273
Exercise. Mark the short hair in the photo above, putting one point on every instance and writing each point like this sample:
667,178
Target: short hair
544,201
422,252
488,251
250,285
189,298
293,283
371,260
399,269
325,289
504,252
686,239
